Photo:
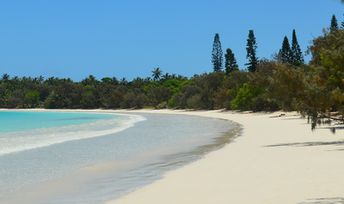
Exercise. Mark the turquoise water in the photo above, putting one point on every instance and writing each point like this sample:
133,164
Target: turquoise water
74,162
12,121
23,131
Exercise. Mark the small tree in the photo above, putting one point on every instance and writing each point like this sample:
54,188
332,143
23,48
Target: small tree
251,49
285,55
31,98
230,63
334,24
217,55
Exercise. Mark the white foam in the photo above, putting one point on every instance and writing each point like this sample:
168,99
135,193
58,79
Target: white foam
28,140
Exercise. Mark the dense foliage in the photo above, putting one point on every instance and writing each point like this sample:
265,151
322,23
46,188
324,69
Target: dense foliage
315,89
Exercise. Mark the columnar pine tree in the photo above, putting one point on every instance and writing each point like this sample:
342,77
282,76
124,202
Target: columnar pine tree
343,25
285,55
217,55
251,49
297,56
230,63
334,24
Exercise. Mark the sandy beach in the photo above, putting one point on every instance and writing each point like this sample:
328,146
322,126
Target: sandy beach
166,102
275,160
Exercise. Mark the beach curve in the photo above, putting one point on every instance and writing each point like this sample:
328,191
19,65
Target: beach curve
58,135
277,159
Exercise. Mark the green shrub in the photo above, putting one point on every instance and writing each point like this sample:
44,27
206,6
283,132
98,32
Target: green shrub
244,99
194,102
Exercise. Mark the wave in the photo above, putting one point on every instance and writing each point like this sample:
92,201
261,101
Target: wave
22,141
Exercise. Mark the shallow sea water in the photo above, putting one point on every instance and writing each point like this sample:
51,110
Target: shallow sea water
94,169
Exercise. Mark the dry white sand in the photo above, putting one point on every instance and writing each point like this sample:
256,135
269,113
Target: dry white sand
275,161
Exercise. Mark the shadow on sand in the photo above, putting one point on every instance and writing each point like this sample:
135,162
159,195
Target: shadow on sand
324,201
308,144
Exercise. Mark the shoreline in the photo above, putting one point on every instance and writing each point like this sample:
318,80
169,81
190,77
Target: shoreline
189,155
275,160
69,130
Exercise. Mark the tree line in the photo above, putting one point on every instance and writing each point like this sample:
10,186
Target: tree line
285,82
287,54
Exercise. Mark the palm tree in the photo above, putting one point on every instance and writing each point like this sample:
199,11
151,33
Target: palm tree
156,73
90,80
166,76
5,77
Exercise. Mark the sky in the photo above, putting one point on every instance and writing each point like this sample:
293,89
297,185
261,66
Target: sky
128,38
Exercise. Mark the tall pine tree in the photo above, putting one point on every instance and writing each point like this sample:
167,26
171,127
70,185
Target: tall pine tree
296,53
251,49
230,63
334,24
217,55
285,55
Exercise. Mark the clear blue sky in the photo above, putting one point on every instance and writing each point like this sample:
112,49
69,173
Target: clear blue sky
127,38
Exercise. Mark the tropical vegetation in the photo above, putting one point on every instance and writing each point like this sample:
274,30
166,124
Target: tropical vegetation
285,82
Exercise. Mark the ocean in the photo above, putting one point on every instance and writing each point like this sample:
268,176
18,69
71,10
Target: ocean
89,158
